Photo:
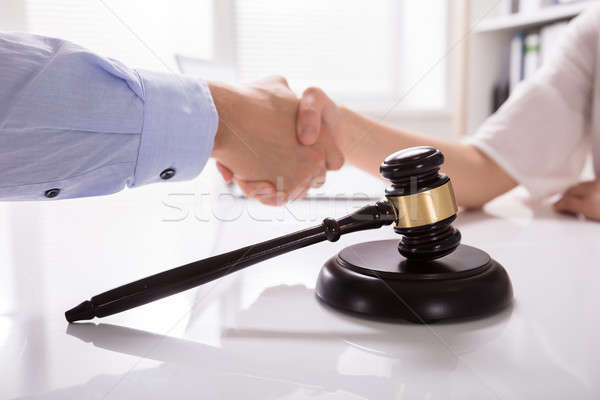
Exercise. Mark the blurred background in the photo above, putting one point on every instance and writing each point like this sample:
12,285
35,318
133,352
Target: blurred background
363,53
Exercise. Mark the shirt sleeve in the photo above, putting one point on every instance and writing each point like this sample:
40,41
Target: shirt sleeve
75,124
540,135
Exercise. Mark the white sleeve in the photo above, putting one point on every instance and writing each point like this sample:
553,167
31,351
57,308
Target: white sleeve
540,135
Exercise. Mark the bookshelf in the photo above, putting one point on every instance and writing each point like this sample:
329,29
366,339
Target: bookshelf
488,40
545,15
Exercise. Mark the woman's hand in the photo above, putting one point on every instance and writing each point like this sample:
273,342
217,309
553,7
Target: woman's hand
583,198
317,115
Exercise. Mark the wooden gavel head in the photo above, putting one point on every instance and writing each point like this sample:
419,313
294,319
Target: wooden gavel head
424,203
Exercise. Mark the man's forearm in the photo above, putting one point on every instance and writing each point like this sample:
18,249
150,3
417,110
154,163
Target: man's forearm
75,124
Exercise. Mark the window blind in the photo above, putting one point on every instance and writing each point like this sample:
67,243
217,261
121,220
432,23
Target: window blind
343,45
358,51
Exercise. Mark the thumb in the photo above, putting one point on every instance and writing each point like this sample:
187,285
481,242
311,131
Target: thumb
311,109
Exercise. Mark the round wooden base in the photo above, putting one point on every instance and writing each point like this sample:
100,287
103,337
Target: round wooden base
373,280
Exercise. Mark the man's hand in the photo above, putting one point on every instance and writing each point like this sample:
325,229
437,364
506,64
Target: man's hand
256,145
583,198
316,126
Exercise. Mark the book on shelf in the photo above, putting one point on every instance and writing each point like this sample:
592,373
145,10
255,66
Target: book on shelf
527,53
531,54
509,7
516,60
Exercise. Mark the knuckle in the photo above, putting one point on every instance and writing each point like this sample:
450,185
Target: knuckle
283,195
268,201
308,109
313,91
318,181
280,79
251,194
337,162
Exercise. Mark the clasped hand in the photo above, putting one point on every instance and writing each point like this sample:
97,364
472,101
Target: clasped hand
259,147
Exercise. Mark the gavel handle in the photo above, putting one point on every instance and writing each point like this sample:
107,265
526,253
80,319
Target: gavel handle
176,280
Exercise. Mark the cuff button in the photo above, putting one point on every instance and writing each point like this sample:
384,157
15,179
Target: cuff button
167,174
51,193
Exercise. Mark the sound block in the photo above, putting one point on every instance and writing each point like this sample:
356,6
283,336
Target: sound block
373,280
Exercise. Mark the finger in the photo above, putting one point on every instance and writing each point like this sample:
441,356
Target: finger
272,80
256,189
301,189
225,172
278,198
582,189
302,194
570,204
281,198
317,182
334,158
264,192
314,104
314,109
308,120
281,79
273,201
318,179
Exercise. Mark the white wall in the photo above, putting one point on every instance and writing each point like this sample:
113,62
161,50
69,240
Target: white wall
140,33
12,15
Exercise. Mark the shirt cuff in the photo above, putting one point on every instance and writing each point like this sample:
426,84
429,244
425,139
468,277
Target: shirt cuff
180,122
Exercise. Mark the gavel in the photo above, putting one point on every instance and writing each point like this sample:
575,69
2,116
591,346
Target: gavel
425,276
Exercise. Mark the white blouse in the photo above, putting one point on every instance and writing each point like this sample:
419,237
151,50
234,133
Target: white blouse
544,132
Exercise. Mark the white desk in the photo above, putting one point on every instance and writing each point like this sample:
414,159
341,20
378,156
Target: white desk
261,334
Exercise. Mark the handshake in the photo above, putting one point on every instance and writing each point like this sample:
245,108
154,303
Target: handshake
274,146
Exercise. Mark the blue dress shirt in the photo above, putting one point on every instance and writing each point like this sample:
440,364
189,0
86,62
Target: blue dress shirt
75,124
